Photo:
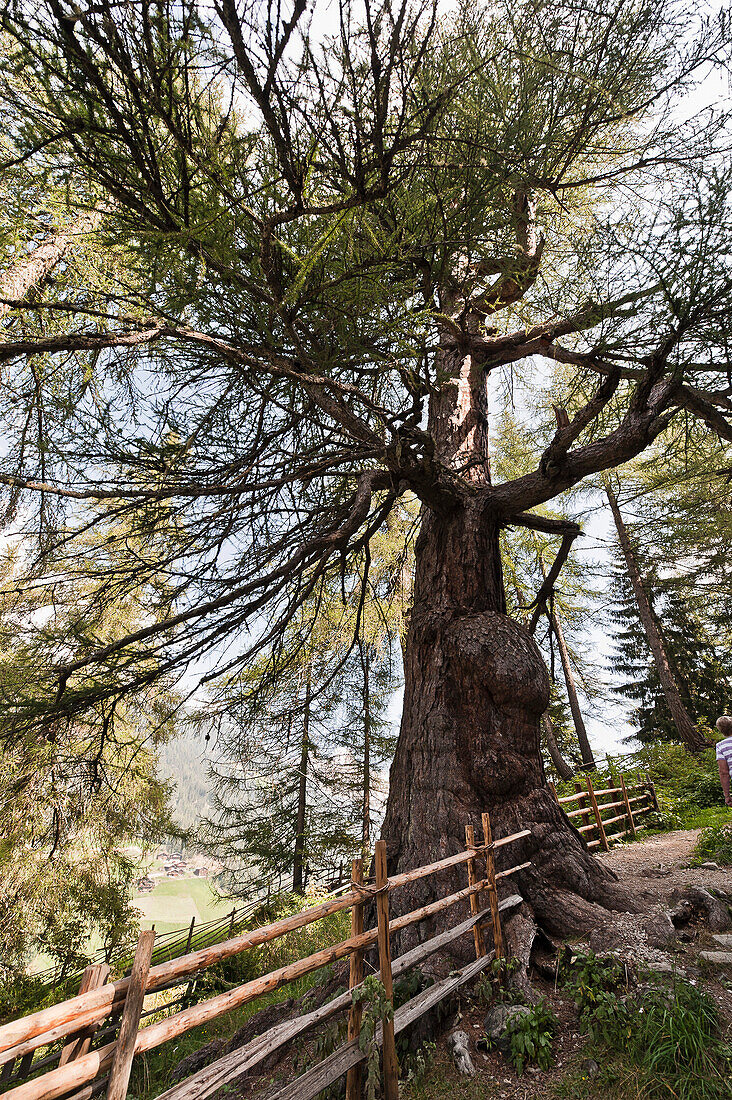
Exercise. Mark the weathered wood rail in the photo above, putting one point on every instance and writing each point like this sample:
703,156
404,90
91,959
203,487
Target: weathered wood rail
85,1073
591,811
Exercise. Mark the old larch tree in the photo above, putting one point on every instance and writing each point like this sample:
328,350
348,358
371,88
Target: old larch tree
317,241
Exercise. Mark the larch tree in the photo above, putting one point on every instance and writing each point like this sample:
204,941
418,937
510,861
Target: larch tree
331,240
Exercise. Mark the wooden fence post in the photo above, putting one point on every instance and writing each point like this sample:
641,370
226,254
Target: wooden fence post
652,792
190,935
596,809
582,803
391,1066
474,906
78,1045
119,1075
355,1073
7,1071
490,872
628,809
231,925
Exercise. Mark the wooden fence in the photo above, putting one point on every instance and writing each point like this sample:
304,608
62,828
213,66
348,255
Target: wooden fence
72,1025
633,800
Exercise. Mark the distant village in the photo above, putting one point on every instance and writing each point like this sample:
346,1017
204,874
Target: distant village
173,866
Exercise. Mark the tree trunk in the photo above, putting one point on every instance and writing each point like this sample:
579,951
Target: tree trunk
475,689
298,863
588,759
562,767
685,728
366,793
34,269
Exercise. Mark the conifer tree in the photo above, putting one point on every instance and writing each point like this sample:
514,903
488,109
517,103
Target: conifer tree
329,247
698,663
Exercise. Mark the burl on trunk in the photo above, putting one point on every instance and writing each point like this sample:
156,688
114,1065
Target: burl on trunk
475,689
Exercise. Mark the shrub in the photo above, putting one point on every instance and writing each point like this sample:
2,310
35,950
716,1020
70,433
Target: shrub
715,844
671,1035
530,1037
588,977
690,781
495,983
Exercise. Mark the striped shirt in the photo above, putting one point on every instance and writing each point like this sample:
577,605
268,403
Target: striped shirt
724,752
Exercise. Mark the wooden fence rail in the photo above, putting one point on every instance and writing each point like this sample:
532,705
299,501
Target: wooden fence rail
589,807
85,1075
82,1073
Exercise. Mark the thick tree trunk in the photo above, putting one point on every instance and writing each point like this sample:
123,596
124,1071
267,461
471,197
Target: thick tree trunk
588,758
298,863
562,767
475,689
685,728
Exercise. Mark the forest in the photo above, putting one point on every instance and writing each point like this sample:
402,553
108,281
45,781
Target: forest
366,489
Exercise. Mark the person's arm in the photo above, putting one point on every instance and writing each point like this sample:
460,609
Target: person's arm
724,780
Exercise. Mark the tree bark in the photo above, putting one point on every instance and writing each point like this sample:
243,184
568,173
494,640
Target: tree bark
298,863
475,689
562,767
35,268
687,731
588,759
366,792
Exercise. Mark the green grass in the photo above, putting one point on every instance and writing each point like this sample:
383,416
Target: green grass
706,818
173,902
441,1082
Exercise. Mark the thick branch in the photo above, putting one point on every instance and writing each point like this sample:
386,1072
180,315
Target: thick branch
79,341
523,269
564,437
548,586
639,427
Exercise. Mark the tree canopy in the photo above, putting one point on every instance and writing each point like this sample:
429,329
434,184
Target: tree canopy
311,251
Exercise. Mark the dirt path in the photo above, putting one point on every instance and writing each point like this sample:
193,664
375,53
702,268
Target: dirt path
658,866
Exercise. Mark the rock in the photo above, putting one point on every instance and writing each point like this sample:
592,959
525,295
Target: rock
457,1044
663,967
606,937
723,941
498,1019
589,1068
714,910
719,958
659,929
682,914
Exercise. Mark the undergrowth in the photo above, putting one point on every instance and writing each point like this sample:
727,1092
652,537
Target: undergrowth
530,1038
715,844
669,1036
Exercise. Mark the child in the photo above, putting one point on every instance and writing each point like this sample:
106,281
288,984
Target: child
724,754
